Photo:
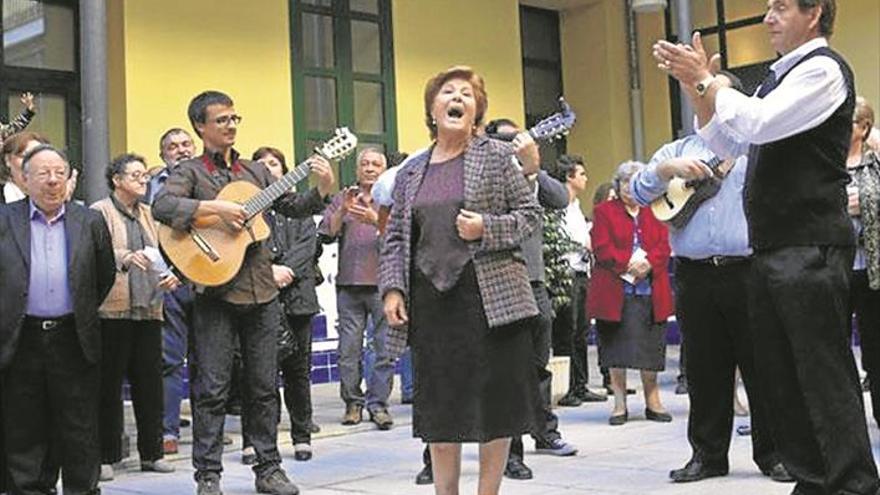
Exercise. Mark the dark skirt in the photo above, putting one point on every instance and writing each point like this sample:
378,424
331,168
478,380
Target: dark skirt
636,341
471,383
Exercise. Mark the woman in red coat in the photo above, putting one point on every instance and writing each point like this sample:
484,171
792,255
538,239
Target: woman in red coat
630,295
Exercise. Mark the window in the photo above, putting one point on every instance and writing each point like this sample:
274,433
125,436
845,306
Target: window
40,55
542,71
732,28
343,75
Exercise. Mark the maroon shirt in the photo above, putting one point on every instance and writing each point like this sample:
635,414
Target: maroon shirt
358,260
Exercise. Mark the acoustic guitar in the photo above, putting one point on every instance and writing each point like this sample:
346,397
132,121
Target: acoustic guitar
678,204
210,253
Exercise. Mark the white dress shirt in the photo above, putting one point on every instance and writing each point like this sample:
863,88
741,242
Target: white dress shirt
577,228
807,97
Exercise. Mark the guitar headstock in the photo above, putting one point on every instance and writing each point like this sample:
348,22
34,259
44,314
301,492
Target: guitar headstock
556,125
342,144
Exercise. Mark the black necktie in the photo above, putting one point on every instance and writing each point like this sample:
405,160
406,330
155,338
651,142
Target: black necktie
768,85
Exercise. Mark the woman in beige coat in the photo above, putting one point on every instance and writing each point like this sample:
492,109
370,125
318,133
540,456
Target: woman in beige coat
131,319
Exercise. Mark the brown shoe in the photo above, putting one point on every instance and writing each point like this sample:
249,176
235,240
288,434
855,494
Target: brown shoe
354,414
382,419
169,446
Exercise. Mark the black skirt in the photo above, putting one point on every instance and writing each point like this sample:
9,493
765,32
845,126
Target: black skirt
636,341
471,383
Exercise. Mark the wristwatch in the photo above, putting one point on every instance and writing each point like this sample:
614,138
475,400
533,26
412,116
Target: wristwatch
703,86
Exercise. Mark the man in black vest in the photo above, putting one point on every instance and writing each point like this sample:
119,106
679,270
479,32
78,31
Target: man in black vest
796,132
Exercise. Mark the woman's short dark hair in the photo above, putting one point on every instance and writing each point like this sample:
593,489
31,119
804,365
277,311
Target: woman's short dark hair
118,165
435,84
493,125
268,150
601,194
197,111
15,145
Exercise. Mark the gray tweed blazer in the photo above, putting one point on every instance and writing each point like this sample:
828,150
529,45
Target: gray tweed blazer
494,187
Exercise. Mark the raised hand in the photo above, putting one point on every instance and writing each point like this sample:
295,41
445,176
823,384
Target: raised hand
527,153
322,170
27,99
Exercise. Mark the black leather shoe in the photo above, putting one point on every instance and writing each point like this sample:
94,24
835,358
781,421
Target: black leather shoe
570,400
618,419
590,396
778,473
425,476
517,470
695,471
660,417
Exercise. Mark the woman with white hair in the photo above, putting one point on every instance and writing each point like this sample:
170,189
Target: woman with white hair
630,295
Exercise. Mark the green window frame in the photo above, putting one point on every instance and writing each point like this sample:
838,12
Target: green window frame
57,84
335,68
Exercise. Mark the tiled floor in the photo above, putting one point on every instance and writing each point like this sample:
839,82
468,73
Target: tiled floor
632,459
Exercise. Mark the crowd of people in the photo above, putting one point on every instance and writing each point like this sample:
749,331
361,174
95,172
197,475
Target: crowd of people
448,263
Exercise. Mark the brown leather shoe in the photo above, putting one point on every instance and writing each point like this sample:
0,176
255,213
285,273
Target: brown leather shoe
169,446
354,414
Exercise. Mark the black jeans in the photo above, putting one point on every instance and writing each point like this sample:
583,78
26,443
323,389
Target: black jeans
546,421
799,309
133,349
218,329
570,329
866,304
713,313
296,372
50,399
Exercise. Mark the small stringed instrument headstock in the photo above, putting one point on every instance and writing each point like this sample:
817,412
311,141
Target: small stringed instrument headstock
556,125
342,144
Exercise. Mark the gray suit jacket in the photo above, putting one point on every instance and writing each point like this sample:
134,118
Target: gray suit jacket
510,212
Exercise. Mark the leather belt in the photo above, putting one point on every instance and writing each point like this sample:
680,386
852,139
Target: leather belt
47,324
717,260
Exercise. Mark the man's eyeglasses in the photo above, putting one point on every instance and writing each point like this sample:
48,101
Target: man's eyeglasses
224,120
138,176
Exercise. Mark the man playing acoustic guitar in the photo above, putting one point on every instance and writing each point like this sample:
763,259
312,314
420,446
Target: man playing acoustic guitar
245,308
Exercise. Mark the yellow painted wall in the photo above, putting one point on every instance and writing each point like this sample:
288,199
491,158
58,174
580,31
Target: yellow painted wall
432,35
116,77
656,109
175,49
857,37
594,70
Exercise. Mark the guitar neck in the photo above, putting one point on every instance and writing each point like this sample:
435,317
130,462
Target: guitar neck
267,196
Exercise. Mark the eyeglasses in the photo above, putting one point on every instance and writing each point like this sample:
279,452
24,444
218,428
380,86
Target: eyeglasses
138,176
224,120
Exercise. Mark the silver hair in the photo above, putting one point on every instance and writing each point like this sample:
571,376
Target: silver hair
371,149
26,161
624,173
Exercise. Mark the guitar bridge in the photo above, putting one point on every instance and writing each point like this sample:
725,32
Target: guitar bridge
205,247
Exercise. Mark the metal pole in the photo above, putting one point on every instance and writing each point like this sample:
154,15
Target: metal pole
685,27
635,89
95,128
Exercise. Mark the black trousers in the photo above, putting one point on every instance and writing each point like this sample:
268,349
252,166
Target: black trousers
799,308
866,305
133,349
713,313
546,422
50,399
570,329
219,327
296,372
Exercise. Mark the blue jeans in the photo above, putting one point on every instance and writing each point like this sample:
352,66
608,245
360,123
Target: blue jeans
175,332
406,375
355,305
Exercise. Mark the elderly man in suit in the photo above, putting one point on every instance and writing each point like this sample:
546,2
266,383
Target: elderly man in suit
56,269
